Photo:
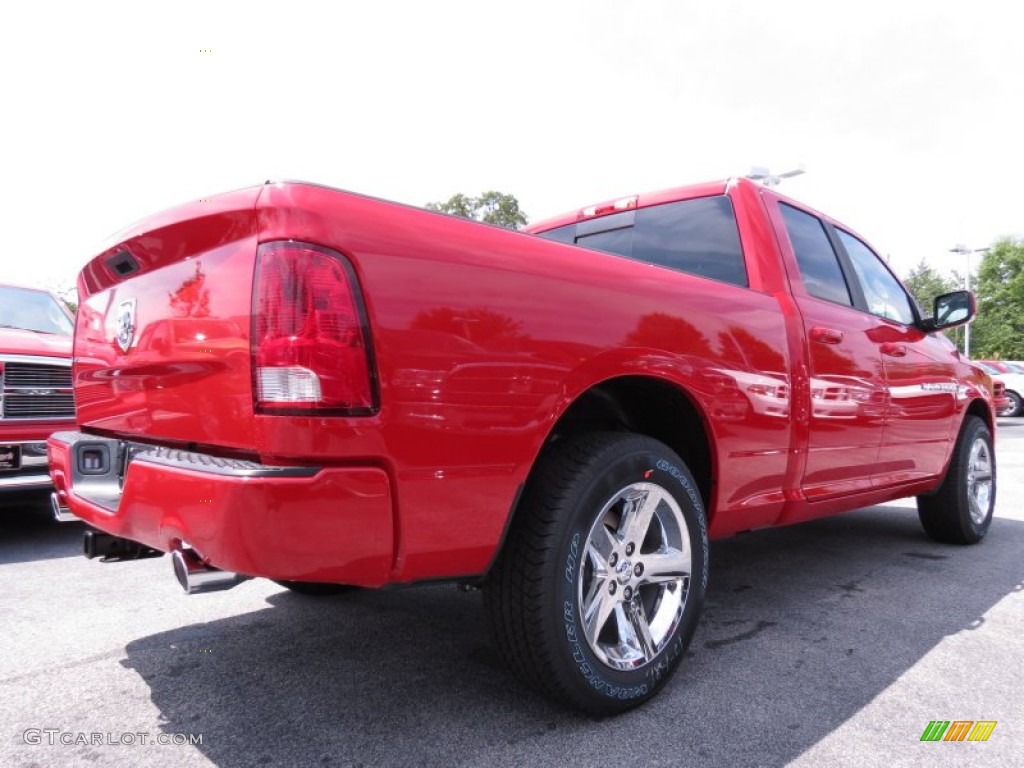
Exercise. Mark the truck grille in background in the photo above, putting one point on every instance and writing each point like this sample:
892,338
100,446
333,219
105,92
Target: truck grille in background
35,391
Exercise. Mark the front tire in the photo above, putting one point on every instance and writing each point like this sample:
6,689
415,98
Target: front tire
960,511
598,590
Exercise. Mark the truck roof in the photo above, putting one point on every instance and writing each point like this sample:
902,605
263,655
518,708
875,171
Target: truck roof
673,194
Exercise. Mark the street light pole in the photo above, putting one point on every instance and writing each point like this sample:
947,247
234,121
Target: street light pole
963,250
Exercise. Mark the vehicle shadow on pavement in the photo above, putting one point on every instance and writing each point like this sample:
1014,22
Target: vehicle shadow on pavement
803,627
28,532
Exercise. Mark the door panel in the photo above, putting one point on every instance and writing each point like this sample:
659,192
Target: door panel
921,380
846,407
848,399
920,373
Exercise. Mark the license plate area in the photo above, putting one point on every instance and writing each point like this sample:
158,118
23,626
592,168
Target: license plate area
10,457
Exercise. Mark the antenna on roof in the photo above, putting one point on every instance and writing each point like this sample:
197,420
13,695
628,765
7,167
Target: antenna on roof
769,179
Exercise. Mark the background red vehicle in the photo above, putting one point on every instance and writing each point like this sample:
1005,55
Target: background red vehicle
999,399
563,417
35,386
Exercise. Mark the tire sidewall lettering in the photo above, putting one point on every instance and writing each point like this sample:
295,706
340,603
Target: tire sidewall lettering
683,479
572,561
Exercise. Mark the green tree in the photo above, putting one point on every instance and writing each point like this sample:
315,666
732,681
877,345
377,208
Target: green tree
924,284
999,330
66,292
491,208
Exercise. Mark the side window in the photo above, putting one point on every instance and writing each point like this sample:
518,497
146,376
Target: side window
883,292
819,266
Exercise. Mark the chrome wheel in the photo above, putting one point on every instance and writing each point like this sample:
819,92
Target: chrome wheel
1015,407
979,481
635,577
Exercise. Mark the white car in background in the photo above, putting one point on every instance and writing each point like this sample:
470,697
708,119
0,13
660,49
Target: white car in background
1014,381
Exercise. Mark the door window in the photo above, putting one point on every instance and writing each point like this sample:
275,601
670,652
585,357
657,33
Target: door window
884,295
819,266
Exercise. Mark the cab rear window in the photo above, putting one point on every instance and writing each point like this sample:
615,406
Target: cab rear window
696,236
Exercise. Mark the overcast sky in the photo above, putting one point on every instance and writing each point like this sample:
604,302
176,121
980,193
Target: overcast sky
907,115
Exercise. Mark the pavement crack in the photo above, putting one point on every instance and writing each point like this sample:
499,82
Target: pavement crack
83,662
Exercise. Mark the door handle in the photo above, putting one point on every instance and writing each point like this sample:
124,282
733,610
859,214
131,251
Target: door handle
894,350
826,335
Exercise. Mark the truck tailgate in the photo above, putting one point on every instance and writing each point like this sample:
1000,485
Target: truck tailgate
162,338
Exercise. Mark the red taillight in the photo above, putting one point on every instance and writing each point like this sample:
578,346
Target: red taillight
310,342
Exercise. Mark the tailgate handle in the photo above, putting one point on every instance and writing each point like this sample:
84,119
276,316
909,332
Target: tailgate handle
826,335
894,350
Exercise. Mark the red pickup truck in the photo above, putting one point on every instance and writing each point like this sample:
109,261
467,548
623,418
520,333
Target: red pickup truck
325,389
35,387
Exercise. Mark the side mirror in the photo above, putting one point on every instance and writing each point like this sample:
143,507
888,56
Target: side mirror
951,309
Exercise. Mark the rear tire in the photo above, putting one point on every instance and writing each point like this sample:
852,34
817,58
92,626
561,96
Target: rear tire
960,511
598,589
314,588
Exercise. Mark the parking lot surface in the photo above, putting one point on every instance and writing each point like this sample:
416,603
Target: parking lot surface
831,643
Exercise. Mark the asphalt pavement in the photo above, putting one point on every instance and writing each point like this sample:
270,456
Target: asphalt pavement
832,643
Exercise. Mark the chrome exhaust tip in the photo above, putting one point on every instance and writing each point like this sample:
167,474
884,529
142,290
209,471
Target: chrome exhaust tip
61,513
196,576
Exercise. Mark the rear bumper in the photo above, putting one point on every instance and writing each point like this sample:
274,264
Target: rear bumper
331,524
